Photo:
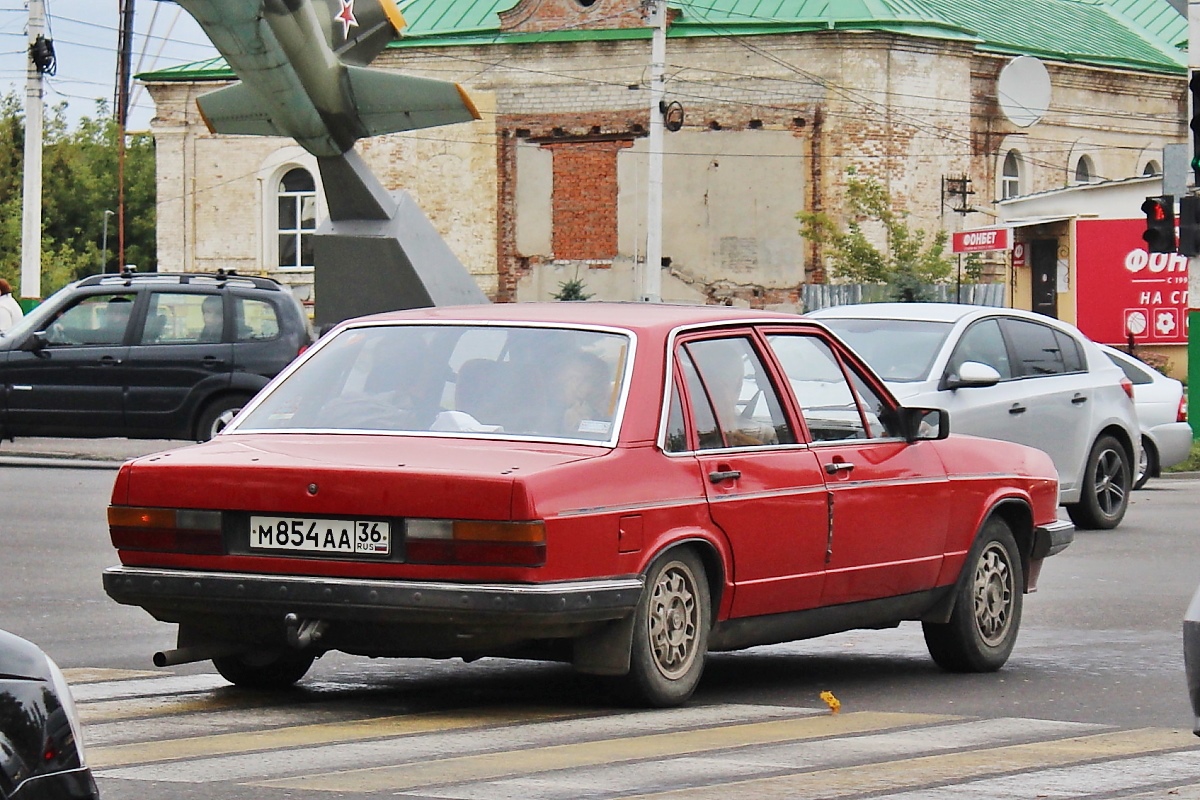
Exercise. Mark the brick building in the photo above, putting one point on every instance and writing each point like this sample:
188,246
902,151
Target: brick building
781,99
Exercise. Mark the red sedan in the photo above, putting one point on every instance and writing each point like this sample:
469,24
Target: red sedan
624,487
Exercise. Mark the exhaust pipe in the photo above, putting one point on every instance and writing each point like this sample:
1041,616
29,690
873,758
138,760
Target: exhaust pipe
188,655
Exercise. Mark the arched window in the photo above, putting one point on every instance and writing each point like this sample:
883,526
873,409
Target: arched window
1151,168
297,196
1084,171
1010,175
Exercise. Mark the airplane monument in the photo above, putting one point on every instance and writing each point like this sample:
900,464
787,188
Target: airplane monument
303,71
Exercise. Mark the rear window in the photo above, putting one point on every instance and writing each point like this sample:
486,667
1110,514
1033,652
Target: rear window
489,381
900,350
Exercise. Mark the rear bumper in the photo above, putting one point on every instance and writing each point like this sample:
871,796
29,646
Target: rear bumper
1052,539
181,595
1173,441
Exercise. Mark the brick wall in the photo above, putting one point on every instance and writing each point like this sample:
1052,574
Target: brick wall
773,125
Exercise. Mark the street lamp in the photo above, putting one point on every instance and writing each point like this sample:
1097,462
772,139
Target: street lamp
104,243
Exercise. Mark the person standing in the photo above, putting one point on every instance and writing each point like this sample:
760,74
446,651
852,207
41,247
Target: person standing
10,310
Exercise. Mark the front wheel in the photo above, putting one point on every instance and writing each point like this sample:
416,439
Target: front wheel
987,608
1106,484
670,634
264,670
217,415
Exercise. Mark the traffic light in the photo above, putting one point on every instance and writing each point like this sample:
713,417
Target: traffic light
1160,223
1189,225
1194,124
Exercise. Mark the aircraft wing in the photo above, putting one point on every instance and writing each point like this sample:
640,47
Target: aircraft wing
389,102
238,109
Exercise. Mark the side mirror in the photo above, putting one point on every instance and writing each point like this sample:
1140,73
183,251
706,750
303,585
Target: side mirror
923,424
972,374
36,342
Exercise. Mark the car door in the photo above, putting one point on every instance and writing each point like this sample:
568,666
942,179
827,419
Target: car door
1000,411
1058,393
177,358
888,498
764,490
69,379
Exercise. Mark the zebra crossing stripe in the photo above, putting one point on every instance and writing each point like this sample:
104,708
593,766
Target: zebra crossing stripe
302,735
951,768
492,766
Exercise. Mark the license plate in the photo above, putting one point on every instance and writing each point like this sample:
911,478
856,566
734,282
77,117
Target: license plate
335,536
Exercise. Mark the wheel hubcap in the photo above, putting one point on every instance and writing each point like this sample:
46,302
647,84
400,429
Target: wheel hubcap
1110,482
993,594
674,621
223,419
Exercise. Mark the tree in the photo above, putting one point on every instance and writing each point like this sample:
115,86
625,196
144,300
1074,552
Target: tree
79,183
906,263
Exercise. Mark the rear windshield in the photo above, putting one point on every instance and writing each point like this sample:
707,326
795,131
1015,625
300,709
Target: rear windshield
489,381
900,350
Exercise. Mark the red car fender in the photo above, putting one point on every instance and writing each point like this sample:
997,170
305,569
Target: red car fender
714,553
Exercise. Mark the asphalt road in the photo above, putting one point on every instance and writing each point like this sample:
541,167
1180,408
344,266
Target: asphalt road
1091,704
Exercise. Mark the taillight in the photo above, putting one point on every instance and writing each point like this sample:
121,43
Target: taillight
165,530
443,541
1181,414
1127,385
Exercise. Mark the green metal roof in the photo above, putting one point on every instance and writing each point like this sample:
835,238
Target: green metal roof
1130,34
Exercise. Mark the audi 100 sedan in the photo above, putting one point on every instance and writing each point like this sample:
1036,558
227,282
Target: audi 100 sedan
624,487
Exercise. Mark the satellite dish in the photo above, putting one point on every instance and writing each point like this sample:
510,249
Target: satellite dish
1024,91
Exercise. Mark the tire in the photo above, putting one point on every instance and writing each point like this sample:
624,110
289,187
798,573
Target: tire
270,670
1107,480
670,632
216,415
987,609
1147,464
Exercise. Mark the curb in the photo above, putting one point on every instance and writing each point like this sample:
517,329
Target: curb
59,462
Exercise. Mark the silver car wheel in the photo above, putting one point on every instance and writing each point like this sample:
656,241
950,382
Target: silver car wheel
1110,481
994,590
674,617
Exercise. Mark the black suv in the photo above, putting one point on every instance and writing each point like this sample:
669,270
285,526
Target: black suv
147,356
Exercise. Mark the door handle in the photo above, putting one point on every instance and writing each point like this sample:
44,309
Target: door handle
1079,399
724,475
212,362
834,467
109,361
1017,408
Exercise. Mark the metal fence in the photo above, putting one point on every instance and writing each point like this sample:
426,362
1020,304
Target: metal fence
815,296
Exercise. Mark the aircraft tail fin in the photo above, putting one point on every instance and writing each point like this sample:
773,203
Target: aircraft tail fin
237,109
388,102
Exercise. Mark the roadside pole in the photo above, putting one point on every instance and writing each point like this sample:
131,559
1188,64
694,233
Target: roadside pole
652,270
1193,314
31,198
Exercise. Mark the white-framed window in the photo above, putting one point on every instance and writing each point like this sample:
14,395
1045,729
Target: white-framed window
1085,171
296,198
1010,175
1151,168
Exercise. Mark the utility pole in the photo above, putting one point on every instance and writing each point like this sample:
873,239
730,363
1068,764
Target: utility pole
124,62
652,272
31,204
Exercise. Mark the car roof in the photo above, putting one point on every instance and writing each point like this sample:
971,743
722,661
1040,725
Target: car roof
935,312
630,315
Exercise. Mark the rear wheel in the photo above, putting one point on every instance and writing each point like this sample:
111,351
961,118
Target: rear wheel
987,610
270,670
1147,464
1106,484
217,414
670,634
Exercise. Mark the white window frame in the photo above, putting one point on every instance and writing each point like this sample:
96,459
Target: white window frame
1010,185
270,180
